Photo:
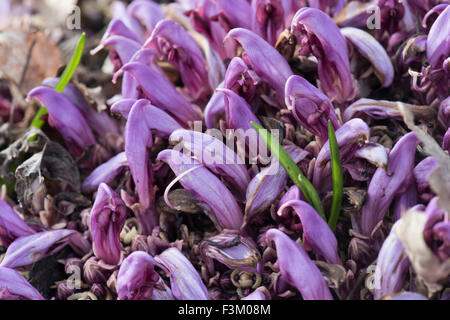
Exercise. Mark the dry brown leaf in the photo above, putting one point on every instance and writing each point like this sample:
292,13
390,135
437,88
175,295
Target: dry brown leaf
15,46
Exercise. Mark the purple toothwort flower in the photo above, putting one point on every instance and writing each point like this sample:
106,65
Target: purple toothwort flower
185,282
268,19
161,92
215,155
385,185
137,277
106,172
11,225
66,118
319,36
392,267
107,219
267,63
297,268
14,286
317,235
221,206
310,107
331,7
138,142
176,45
30,249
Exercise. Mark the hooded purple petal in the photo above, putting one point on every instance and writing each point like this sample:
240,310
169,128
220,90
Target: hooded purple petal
317,235
331,7
185,281
105,173
13,286
214,109
107,219
311,108
240,79
66,118
147,12
373,51
268,19
161,92
99,122
215,155
260,293
438,41
206,187
297,268
177,46
320,36
30,249
392,267
384,186
11,225
267,62
137,277
236,13
422,173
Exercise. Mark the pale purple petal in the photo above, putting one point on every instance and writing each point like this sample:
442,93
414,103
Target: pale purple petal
13,286
185,281
11,225
297,268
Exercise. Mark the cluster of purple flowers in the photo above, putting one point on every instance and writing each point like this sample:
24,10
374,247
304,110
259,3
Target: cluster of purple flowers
243,230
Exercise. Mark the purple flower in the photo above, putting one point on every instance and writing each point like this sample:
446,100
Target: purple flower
138,142
11,225
317,235
14,286
310,107
30,249
185,281
240,79
232,250
206,18
437,230
105,173
385,185
99,122
438,42
392,267
422,173
161,92
373,51
331,7
214,155
147,12
107,219
260,293
268,19
173,43
66,118
319,36
267,63
221,206
297,268
137,277
234,14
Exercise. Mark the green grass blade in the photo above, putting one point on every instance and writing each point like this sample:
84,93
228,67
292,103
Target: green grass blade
63,80
338,183
291,168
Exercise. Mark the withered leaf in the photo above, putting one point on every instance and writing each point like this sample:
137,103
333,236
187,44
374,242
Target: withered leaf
44,60
180,199
334,274
52,170
10,156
